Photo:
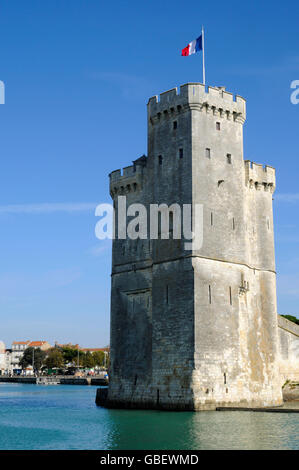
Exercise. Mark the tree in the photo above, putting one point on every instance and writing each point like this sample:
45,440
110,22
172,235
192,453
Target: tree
99,358
33,357
88,360
69,354
54,358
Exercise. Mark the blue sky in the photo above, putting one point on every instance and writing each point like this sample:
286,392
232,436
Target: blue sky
78,75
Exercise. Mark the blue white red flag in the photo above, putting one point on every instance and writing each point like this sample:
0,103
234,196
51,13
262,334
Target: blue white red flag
193,46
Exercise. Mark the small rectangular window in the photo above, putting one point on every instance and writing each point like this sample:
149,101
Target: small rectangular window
160,159
218,126
208,153
175,125
181,153
210,295
212,221
230,296
229,158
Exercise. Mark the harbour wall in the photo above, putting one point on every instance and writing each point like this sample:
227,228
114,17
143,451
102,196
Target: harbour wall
99,381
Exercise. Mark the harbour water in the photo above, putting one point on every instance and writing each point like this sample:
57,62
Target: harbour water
66,417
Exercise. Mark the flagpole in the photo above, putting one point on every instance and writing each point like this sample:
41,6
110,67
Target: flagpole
203,56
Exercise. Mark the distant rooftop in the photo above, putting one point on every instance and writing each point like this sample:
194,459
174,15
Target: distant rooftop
37,343
21,342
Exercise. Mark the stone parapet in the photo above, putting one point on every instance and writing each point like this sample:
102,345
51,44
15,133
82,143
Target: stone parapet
216,101
260,177
126,181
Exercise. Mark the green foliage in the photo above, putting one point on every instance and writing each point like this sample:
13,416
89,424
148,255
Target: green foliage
99,358
54,358
69,354
58,357
88,360
291,318
31,354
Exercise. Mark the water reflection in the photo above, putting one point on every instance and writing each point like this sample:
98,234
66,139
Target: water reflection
65,417
202,430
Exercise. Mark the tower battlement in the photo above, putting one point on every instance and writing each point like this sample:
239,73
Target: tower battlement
260,176
127,180
216,101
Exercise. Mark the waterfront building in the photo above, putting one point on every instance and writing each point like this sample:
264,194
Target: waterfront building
18,348
8,366
43,345
2,358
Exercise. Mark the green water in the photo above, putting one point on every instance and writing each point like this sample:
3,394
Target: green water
66,417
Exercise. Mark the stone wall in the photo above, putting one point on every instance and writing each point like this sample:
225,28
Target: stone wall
289,350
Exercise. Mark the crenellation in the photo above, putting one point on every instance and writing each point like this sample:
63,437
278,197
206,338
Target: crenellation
126,181
168,97
214,92
227,96
115,175
129,171
195,96
259,176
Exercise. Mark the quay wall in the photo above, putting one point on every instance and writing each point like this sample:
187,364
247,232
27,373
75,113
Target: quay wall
24,380
98,381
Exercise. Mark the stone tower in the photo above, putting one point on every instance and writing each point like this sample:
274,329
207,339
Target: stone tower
196,329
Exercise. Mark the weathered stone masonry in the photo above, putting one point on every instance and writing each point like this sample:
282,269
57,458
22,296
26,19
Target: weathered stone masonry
196,329
289,350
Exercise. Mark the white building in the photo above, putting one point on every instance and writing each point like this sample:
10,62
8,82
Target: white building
18,348
2,358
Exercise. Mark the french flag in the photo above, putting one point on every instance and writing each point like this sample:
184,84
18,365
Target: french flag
193,46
